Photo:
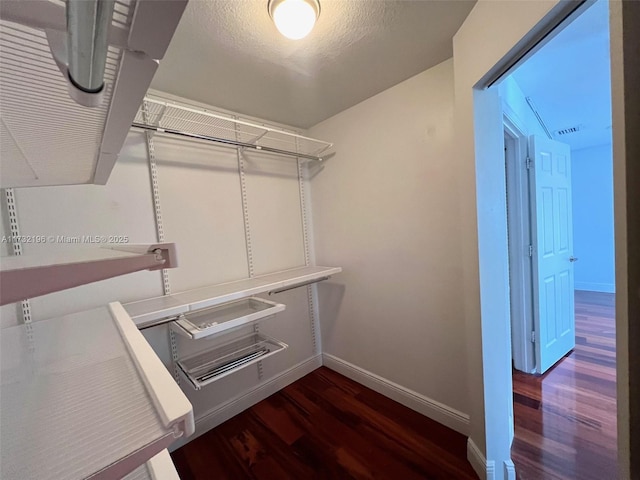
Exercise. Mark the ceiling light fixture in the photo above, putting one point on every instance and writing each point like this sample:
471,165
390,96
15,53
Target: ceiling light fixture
294,18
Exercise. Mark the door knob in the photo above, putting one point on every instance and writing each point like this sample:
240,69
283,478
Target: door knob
573,259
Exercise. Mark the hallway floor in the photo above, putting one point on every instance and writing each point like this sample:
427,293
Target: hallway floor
565,420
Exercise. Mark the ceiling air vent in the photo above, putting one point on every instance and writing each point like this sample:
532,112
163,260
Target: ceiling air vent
567,131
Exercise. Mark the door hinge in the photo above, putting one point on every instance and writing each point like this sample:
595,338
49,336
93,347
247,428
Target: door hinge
531,250
533,336
529,163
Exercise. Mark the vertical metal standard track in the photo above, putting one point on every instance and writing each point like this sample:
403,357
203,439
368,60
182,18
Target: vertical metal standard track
245,213
16,245
166,286
307,255
303,214
247,232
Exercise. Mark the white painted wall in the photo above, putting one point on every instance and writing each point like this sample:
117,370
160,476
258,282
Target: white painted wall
202,212
123,207
386,210
593,235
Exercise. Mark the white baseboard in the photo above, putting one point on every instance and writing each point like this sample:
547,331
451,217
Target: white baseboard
437,411
509,470
486,470
240,403
595,287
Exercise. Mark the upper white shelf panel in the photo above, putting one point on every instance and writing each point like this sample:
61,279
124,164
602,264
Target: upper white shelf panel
46,138
200,123
85,395
147,312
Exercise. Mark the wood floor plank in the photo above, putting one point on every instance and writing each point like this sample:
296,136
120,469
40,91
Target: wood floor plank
385,430
565,420
332,422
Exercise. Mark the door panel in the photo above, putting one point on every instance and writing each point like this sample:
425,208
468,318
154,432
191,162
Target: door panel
552,231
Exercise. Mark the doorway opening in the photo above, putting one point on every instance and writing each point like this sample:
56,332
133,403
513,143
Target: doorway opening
559,185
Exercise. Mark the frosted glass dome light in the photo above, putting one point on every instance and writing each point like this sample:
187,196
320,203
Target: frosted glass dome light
294,18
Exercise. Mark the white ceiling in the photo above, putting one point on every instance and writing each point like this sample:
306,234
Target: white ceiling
569,79
228,53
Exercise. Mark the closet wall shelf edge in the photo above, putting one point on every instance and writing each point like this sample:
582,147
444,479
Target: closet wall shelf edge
28,276
159,310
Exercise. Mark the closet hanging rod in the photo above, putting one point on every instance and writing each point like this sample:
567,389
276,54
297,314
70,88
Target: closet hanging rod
226,141
296,285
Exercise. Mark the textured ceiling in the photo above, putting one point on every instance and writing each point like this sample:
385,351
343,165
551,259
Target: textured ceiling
228,53
569,80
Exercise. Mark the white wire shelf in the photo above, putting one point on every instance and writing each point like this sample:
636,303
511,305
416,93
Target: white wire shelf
84,395
46,138
158,310
215,320
206,367
28,276
171,118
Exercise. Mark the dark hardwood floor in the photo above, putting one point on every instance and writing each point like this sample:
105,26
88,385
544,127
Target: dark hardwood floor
565,420
326,426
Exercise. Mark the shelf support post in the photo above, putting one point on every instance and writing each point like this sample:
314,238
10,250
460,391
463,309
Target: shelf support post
313,317
16,244
247,228
155,186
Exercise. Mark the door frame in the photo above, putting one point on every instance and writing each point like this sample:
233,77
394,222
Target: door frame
519,239
481,164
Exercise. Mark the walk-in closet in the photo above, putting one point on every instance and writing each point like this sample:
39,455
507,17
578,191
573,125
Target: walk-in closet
241,239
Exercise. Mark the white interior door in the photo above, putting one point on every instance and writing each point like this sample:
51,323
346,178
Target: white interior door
552,232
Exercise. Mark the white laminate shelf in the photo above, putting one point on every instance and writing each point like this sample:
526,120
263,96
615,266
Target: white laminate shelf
28,276
85,396
153,311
